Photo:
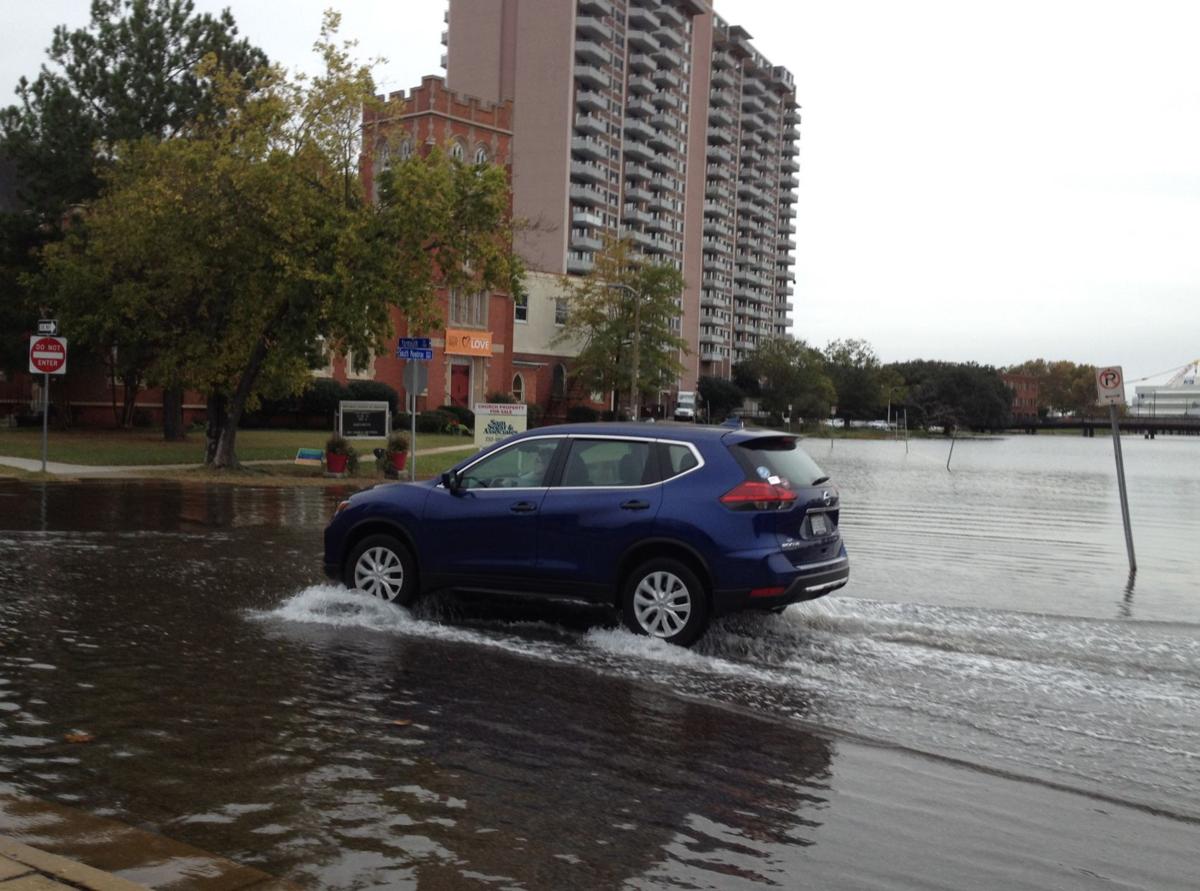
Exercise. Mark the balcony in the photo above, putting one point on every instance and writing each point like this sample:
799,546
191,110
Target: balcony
668,13
660,224
717,209
667,100
663,202
667,79
722,155
715,244
590,100
643,41
668,58
593,77
639,85
633,214
590,51
589,123
790,165
587,219
638,193
665,142
663,164
642,239
723,79
670,38
636,172
638,151
635,128
642,63
600,8
588,195
640,108
720,136
718,172
589,148
580,263
588,171
752,86
717,191
719,118
583,241
643,18
593,28
751,104
716,227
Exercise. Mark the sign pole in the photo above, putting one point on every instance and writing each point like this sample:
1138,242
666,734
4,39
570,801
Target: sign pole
412,418
45,416
1116,431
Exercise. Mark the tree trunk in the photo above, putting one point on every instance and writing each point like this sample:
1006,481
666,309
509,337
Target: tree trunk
129,407
215,424
173,415
222,449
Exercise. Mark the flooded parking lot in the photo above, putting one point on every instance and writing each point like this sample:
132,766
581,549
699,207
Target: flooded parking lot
990,702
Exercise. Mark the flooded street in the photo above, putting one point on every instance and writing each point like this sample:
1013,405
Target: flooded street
990,702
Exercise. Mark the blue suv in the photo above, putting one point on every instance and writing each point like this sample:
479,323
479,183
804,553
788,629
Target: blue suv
672,524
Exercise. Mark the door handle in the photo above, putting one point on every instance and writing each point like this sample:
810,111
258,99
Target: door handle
635,505
523,507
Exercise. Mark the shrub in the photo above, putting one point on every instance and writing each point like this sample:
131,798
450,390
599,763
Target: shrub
339,445
322,397
397,443
374,391
464,414
534,416
501,398
582,414
436,421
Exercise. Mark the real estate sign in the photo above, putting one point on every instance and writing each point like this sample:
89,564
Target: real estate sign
495,421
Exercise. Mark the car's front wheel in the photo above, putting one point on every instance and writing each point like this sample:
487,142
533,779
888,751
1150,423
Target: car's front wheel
663,598
382,567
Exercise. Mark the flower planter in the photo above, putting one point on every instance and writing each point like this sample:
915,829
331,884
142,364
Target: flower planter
399,459
335,463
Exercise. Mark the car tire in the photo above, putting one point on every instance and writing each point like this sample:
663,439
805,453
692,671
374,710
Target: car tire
381,566
664,598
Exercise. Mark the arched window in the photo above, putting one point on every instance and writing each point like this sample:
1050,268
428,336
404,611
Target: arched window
457,152
558,385
383,162
481,154
518,388
406,150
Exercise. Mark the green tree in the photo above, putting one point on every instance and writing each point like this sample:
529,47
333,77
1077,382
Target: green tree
854,369
620,316
132,72
955,394
790,373
238,253
1063,386
719,397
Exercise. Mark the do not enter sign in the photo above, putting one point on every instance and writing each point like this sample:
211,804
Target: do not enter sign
47,355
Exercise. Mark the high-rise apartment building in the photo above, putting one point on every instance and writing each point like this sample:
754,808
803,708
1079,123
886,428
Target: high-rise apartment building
654,120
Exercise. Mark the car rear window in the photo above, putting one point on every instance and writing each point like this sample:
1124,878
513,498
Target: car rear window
778,456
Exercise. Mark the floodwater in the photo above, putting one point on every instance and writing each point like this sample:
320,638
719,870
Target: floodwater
991,702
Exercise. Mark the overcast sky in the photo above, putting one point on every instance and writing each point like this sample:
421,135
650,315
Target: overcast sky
979,181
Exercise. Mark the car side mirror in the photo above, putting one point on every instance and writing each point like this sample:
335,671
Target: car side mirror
452,482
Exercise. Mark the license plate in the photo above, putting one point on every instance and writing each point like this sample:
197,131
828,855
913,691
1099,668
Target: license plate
820,524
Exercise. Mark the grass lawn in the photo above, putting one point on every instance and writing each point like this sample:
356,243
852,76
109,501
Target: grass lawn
134,447
290,475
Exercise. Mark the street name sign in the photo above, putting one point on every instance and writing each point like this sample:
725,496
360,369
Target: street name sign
414,354
414,343
1110,385
47,355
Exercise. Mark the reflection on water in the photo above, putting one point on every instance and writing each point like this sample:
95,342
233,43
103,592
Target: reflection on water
233,700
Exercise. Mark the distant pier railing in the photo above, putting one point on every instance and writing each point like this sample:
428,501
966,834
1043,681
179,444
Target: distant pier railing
1148,426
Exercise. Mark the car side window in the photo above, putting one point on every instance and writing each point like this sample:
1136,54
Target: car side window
680,459
609,462
520,466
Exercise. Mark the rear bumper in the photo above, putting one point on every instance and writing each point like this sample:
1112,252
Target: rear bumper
809,584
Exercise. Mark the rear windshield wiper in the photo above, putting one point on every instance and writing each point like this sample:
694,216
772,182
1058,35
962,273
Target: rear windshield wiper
819,480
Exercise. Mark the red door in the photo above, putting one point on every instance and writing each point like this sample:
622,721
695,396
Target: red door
460,385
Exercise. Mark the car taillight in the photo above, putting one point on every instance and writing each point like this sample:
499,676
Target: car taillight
757,495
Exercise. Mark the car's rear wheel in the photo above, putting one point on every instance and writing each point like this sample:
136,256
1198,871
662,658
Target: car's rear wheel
382,567
663,598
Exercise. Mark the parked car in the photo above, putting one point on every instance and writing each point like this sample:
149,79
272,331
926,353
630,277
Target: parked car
673,524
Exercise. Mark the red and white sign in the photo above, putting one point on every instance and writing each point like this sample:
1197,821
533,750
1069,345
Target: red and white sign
1110,385
47,355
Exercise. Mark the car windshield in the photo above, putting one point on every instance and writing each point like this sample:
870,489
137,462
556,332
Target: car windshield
779,457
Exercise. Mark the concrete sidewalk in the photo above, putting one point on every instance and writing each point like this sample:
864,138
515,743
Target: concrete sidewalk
25,868
79,471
